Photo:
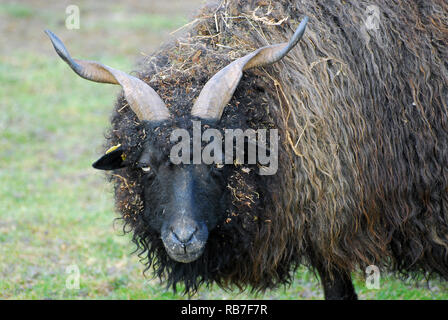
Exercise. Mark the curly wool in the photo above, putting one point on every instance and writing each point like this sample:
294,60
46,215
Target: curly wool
362,118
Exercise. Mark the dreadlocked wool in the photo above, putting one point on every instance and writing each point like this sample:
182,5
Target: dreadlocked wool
363,126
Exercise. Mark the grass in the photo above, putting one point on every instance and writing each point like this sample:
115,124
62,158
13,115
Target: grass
16,10
56,211
156,22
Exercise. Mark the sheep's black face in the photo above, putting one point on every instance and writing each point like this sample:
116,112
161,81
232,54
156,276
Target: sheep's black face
183,203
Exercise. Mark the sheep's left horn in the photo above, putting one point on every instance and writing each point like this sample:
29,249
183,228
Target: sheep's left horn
142,99
218,91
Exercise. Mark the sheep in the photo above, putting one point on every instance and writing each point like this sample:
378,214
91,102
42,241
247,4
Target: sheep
360,105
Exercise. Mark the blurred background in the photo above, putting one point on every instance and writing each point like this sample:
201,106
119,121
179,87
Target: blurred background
56,211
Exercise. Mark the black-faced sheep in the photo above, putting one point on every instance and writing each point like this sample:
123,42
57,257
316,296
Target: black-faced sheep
361,109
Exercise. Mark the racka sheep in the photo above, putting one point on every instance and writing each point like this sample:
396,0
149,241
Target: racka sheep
360,105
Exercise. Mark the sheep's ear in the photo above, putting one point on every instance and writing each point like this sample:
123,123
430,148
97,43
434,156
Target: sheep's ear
113,159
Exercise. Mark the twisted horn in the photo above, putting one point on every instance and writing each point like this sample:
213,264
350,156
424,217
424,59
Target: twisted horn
218,91
142,99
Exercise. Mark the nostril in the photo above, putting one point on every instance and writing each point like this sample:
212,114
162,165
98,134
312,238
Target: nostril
184,234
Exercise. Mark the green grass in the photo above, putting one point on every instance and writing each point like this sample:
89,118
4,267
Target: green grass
56,211
153,22
16,10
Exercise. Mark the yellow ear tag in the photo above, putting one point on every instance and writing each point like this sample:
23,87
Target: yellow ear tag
113,148
123,156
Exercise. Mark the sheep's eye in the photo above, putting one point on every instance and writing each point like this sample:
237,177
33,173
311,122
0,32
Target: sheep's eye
146,169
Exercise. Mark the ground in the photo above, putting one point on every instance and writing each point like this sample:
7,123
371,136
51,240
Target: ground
56,210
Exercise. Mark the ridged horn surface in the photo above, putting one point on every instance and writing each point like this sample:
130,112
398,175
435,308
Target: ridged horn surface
218,91
142,99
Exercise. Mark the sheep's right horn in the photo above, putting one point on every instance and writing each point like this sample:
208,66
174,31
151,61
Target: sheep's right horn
142,99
